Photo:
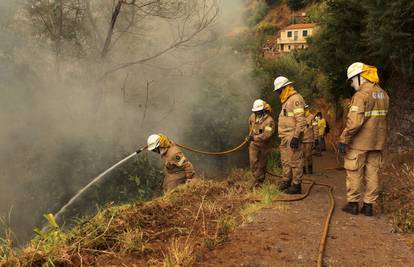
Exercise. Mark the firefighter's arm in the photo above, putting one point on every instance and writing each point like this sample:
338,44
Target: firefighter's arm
251,122
177,161
189,170
355,119
267,133
299,113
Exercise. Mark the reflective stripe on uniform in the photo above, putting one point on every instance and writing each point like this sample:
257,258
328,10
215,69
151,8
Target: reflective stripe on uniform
354,109
290,114
268,129
376,113
181,162
298,110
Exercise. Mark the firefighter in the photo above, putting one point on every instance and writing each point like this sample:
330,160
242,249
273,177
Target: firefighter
291,126
177,168
262,128
310,140
364,137
321,133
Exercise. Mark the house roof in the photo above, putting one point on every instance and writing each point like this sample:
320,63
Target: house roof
300,26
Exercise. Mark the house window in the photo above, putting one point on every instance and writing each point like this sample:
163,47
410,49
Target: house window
303,46
289,34
288,47
305,33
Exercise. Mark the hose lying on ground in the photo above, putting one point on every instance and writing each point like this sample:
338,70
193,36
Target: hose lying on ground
322,243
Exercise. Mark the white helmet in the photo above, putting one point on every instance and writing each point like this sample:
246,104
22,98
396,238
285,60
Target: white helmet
258,105
153,141
355,69
281,82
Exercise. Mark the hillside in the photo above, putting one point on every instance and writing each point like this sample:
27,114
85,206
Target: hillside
173,230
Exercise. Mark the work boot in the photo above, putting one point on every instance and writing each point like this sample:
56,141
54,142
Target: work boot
294,189
351,207
367,209
284,185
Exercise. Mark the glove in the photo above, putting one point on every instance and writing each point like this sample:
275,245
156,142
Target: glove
294,143
342,148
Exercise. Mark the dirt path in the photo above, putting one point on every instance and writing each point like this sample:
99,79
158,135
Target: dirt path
289,234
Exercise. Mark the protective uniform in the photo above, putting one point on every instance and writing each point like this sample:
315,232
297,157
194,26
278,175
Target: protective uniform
365,136
309,136
292,124
321,126
177,168
263,128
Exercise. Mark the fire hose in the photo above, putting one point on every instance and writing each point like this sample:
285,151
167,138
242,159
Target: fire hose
312,183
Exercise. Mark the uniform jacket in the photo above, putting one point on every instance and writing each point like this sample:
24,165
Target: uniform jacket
311,130
176,165
292,122
263,129
366,125
321,127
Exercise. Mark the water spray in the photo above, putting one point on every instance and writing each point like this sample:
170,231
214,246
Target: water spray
95,180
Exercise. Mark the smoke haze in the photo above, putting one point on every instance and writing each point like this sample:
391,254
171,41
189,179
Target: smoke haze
65,119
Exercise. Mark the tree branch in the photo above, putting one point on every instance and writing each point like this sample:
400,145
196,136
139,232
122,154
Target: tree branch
114,18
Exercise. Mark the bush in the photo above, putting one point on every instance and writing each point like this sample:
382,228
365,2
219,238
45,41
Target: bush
389,35
288,66
338,43
268,28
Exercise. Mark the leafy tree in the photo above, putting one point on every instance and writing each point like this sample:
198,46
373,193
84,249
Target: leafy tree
338,43
390,34
299,4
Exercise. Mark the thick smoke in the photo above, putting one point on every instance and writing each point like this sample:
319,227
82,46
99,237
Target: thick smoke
65,119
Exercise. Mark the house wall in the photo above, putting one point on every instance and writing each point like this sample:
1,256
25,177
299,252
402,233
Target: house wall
301,38
294,42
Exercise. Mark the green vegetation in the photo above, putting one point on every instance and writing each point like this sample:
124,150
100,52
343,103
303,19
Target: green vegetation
265,196
397,198
267,28
366,31
299,4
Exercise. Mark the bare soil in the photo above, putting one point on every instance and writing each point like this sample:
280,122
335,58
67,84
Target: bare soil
289,234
